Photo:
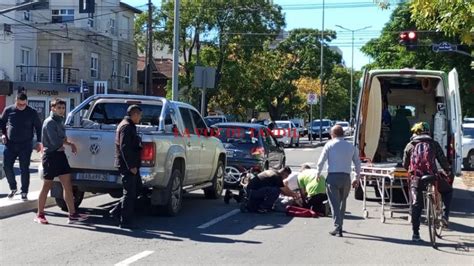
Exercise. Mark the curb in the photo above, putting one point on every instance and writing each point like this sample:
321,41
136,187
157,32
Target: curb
30,205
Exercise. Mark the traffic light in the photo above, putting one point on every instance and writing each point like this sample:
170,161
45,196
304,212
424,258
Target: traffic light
409,40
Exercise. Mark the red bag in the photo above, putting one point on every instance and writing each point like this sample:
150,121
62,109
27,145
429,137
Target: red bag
295,211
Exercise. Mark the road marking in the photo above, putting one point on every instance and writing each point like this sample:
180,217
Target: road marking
302,149
218,219
135,258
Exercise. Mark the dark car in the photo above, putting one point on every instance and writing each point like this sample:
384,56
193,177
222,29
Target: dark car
248,146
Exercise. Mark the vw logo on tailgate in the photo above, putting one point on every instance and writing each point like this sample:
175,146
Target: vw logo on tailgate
94,148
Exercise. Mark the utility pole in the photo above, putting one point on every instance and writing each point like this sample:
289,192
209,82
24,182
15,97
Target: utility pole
149,63
352,67
321,82
175,82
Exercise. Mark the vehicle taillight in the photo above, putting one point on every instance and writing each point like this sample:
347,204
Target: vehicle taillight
258,151
148,154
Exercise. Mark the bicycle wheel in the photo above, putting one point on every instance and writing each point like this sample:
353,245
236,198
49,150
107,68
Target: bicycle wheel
438,218
431,217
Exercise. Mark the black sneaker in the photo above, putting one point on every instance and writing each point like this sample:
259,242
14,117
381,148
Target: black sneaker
12,194
416,238
77,218
227,196
24,196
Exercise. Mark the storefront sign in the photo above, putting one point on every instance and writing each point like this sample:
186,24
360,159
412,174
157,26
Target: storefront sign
47,93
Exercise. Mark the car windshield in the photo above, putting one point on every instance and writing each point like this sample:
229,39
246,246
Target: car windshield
343,124
468,132
282,125
237,135
317,124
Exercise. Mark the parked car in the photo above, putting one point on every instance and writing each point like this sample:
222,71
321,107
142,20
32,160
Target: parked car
248,146
178,153
299,124
211,120
346,127
287,133
314,129
468,146
415,95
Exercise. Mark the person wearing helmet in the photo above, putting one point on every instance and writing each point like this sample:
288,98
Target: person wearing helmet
419,159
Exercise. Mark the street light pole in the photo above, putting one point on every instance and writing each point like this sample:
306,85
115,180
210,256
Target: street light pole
321,81
175,81
352,66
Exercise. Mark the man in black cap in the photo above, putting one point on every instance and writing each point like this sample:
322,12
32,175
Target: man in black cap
127,160
18,122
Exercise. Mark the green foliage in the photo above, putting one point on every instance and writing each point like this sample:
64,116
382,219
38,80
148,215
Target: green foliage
454,17
387,53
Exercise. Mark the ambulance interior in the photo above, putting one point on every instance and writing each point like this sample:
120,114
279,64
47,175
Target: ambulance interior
395,103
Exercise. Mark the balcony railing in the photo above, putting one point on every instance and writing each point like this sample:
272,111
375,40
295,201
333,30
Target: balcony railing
46,74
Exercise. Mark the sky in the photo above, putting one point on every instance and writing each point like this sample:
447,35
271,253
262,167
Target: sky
351,14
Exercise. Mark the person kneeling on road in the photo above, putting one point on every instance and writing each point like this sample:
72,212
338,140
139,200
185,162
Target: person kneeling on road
312,189
263,190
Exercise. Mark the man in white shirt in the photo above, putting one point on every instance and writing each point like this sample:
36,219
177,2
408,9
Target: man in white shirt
339,154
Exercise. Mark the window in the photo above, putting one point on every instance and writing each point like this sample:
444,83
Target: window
26,15
90,21
62,15
25,61
188,121
114,68
112,26
126,74
94,65
200,124
125,30
113,113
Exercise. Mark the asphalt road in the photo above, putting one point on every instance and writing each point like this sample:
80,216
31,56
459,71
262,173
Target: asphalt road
199,236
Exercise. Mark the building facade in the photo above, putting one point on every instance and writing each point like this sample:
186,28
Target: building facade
48,52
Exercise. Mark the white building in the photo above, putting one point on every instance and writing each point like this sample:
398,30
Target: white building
47,52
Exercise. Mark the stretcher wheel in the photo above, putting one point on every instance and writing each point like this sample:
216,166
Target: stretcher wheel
382,219
366,214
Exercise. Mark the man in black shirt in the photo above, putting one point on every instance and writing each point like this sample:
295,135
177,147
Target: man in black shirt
127,160
18,122
264,189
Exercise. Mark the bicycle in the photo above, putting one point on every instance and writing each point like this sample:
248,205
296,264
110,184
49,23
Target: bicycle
434,207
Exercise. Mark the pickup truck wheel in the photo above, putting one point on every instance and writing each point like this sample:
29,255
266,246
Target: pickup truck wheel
175,194
469,161
215,191
78,197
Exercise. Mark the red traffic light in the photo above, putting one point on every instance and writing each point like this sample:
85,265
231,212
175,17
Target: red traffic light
412,35
403,35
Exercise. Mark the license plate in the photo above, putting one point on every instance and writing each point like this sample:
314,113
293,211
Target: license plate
92,176
230,154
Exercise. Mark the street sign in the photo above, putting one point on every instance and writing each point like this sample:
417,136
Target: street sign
444,47
74,89
312,98
204,77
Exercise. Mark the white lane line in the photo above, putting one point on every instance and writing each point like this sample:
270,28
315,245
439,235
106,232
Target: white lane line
218,219
135,258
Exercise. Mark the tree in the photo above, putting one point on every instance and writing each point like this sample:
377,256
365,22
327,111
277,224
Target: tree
387,53
454,18
217,24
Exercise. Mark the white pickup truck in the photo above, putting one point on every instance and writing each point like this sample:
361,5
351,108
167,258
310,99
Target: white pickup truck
178,153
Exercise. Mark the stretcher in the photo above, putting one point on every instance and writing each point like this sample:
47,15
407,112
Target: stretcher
385,178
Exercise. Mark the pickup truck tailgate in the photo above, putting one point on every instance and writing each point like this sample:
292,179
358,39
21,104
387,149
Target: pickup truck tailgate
95,149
